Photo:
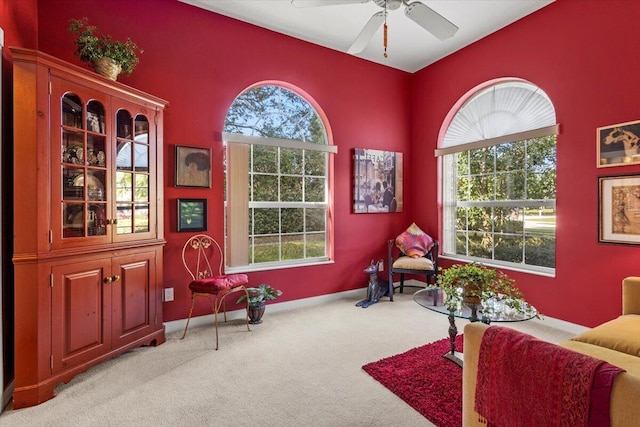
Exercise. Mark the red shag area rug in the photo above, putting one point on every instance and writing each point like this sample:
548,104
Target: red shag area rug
422,377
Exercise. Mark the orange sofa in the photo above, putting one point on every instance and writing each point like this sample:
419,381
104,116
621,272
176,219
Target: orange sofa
616,341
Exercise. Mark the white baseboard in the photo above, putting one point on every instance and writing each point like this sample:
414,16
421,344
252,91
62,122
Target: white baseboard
563,325
178,325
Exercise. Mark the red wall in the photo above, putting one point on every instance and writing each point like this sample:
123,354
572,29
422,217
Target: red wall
584,56
200,62
19,21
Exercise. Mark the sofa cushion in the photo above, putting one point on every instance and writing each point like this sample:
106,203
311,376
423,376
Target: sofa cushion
621,334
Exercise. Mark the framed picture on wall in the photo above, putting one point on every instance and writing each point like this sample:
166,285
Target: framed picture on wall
377,181
192,214
618,144
193,167
619,209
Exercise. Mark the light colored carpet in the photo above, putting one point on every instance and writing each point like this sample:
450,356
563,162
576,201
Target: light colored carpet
300,366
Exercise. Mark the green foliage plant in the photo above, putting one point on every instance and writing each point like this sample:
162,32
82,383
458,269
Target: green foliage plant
260,294
92,45
475,281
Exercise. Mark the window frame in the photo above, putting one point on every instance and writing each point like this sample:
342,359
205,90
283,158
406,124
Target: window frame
234,141
477,120
450,204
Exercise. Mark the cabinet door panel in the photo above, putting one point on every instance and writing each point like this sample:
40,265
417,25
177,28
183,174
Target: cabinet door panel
132,312
79,174
80,298
135,190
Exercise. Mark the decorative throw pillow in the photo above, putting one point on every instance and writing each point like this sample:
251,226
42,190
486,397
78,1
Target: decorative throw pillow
620,334
414,242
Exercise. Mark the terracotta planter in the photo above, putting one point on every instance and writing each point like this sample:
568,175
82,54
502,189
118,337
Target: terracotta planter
107,67
255,312
471,299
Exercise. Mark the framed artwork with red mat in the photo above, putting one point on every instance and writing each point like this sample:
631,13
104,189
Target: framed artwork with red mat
424,379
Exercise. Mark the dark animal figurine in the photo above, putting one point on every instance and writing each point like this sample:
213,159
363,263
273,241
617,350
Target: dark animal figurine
376,288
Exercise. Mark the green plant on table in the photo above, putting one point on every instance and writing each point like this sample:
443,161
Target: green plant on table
477,283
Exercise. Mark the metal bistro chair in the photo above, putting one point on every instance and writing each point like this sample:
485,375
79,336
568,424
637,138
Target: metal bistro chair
199,253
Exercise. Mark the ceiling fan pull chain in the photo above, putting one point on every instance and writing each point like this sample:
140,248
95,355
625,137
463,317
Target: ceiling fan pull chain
385,29
385,40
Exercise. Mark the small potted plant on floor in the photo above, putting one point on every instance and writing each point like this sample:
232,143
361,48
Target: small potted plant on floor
475,283
107,56
257,301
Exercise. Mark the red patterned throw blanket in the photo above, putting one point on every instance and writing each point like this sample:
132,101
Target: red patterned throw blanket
524,381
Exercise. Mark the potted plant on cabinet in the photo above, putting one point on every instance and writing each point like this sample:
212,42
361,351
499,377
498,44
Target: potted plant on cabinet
257,301
475,283
107,56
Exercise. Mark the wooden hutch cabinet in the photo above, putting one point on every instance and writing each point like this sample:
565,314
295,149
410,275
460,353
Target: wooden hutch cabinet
88,223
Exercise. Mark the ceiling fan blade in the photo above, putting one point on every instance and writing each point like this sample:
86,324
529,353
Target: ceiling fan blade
430,20
367,33
316,3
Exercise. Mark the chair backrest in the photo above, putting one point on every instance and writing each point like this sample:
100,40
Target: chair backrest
201,254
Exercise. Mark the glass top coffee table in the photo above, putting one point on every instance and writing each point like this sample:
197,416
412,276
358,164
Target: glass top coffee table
486,312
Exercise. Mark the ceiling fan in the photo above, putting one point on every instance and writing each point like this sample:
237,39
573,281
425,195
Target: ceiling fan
418,12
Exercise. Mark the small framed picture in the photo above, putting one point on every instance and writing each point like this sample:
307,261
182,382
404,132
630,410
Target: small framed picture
619,209
193,167
93,123
192,214
618,145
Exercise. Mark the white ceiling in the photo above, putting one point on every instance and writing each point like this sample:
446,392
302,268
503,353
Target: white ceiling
410,47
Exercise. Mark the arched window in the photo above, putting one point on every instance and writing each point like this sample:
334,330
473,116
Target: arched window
277,180
499,177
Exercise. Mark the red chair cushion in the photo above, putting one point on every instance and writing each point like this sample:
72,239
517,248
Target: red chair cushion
213,285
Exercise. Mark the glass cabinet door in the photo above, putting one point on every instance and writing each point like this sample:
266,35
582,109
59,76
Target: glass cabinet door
80,167
132,174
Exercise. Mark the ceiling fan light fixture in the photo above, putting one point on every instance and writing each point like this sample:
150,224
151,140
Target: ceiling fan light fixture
423,15
388,4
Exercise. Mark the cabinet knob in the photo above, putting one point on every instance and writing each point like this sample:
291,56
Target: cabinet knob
108,280
116,278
